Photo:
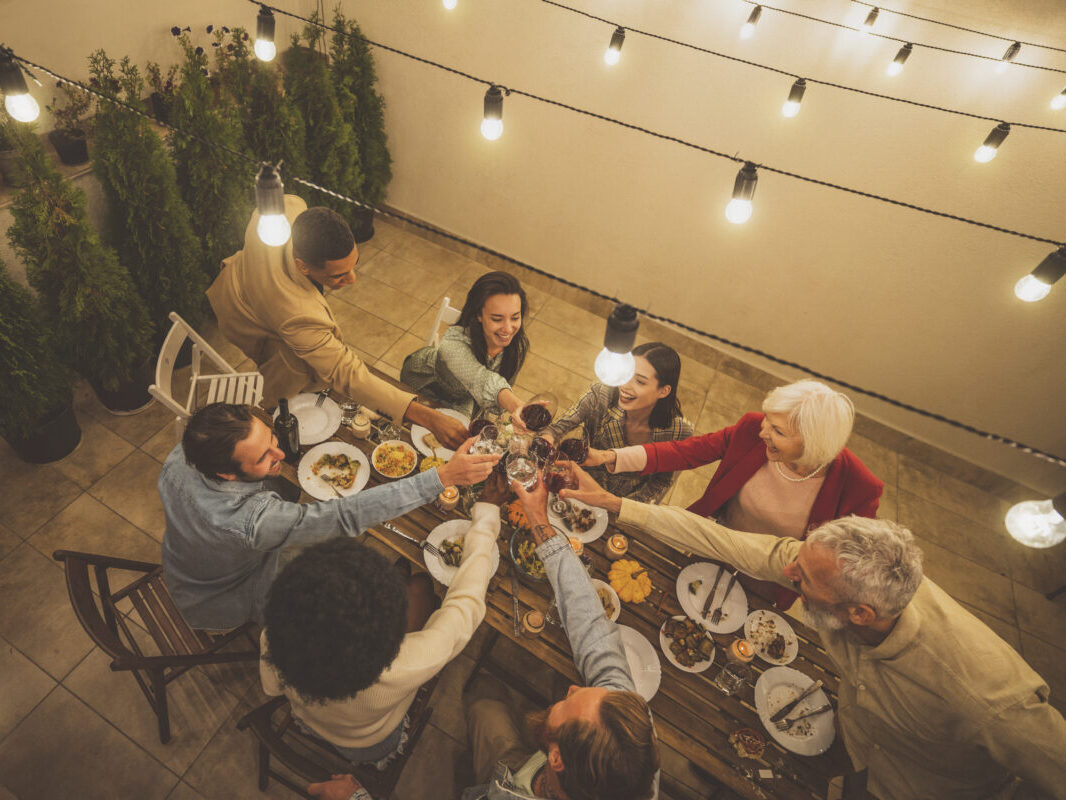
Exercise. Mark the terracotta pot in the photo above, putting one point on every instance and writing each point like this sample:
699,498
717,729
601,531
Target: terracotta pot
71,146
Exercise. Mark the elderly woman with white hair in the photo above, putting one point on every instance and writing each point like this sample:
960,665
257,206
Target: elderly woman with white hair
782,472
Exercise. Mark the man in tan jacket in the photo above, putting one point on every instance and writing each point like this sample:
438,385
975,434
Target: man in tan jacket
270,302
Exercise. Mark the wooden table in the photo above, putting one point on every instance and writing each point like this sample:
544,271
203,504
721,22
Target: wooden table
691,715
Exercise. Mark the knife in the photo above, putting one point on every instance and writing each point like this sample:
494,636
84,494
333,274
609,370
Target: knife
729,588
784,712
514,599
710,597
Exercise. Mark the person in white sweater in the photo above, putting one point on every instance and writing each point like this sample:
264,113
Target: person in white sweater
338,643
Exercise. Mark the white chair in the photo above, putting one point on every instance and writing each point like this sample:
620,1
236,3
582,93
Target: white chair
227,386
446,316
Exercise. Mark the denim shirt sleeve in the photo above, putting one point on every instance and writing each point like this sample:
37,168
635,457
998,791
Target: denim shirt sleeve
594,639
274,523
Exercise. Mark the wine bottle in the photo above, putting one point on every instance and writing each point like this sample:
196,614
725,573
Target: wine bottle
287,428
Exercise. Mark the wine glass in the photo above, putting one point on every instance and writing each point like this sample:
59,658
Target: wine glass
486,443
575,448
522,467
538,413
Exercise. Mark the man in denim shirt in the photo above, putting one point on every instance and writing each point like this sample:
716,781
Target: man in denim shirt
226,527
599,741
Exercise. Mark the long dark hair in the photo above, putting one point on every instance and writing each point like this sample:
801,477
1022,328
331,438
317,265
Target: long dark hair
667,365
489,284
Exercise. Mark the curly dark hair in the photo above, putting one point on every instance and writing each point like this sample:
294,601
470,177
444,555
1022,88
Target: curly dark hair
335,618
489,284
320,234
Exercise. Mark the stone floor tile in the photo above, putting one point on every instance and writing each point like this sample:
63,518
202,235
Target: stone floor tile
573,321
458,288
420,280
956,533
538,374
1040,617
449,713
160,445
734,396
1041,569
184,792
35,612
385,234
42,492
64,749
692,400
952,494
881,461
134,428
130,489
438,768
1049,661
697,375
387,369
1004,630
363,330
421,251
560,348
8,541
197,707
22,685
382,300
968,581
99,451
424,324
713,417
367,252
403,347
229,351
888,507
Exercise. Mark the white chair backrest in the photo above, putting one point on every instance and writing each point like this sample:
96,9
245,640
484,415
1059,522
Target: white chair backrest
162,389
445,316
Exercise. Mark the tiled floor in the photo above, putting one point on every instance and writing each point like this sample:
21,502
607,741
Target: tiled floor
69,727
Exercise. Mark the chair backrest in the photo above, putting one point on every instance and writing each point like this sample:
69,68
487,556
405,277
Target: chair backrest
162,388
446,315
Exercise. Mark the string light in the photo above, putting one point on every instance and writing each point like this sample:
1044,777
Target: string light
896,67
747,30
17,98
1008,57
264,47
492,124
738,210
273,227
987,151
795,96
450,4
614,50
615,364
1037,284
1059,100
871,18
1038,523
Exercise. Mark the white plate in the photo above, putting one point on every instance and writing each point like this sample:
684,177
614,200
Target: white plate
664,643
593,533
735,608
317,423
318,488
403,444
643,662
450,530
759,629
418,433
779,686
598,584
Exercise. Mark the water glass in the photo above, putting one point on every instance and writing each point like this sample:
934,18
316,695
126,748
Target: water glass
522,468
348,411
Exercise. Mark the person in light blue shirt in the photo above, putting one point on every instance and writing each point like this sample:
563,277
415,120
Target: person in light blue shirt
227,523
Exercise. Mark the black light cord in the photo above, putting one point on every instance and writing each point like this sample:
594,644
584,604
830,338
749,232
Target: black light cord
780,71
901,41
956,27
993,437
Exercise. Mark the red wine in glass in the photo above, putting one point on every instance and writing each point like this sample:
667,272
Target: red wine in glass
577,450
542,449
555,481
477,425
536,417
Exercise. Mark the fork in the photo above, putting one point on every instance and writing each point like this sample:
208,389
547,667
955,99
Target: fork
716,616
321,398
786,724
421,543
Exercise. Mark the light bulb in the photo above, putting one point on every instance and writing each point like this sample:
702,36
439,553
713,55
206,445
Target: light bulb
738,211
1031,289
1059,100
1001,67
22,107
273,229
1009,56
450,4
893,69
795,96
1036,523
747,30
896,67
614,369
611,57
790,109
988,149
871,18
984,154
492,122
613,54
264,50
492,129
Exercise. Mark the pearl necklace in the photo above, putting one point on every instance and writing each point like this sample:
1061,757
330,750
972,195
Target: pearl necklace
781,472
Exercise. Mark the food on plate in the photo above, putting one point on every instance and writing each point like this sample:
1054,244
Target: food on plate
394,459
528,561
431,441
430,462
771,643
689,643
579,520
776,646
336,469
607,600
630,580
747,743
694,586
516,515
451,551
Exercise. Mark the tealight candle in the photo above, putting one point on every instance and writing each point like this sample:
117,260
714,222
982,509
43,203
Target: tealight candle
617,546
448,499
360,425
532,624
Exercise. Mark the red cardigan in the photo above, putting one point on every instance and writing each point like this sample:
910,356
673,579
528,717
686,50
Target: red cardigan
849,486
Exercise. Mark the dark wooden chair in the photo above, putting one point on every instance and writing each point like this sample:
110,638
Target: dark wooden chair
312,760
180,647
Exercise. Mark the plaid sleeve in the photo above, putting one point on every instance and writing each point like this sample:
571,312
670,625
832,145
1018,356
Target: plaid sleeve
588,408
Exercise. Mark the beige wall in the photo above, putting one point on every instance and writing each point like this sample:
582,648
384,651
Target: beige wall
915,307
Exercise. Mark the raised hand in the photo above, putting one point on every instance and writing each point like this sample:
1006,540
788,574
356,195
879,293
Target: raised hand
588,491
534,501
466,468
448,430
341,787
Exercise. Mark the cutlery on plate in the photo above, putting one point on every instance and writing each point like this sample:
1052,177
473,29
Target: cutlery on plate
329,483
710,597
716,615
321,398
786,724
421,543
784,711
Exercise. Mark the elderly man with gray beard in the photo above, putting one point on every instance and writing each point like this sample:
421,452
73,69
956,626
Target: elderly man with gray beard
932,704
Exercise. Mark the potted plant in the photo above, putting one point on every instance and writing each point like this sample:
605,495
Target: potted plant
163,86
147,222
36,402
100,323
332,152
218,188
10,162
352,65
69,137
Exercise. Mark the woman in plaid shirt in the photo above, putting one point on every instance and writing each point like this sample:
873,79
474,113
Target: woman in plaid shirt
645,409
